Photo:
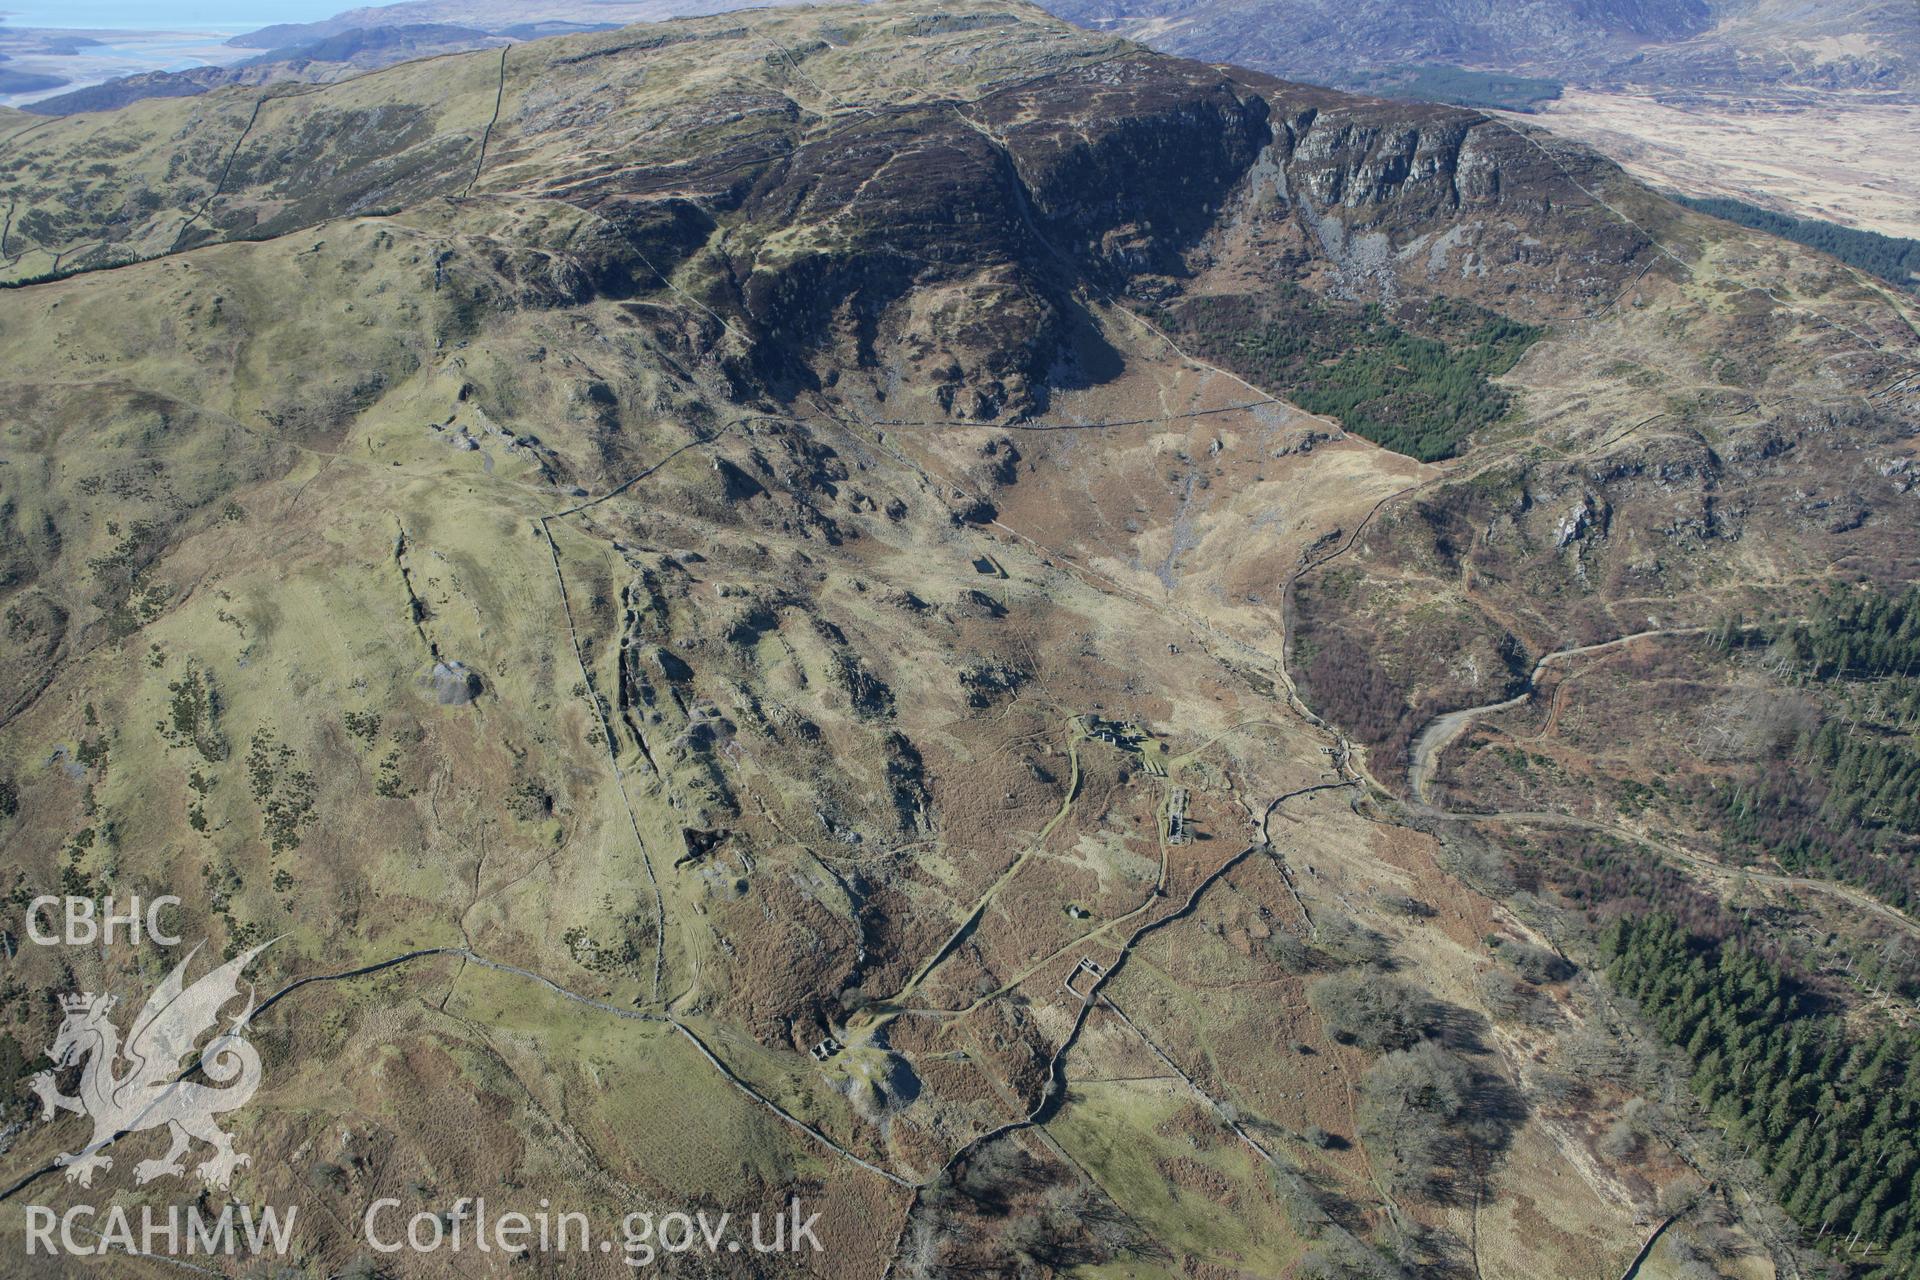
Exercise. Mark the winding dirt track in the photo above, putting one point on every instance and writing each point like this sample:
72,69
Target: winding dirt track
1440,732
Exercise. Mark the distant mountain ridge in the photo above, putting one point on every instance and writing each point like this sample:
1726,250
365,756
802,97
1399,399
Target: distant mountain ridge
556,16
1673,46
360,40
1854,44
318,62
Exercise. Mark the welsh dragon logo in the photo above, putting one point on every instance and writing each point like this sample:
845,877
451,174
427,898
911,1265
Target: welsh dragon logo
140,1084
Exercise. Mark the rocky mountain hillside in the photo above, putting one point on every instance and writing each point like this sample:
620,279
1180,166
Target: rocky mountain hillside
921,609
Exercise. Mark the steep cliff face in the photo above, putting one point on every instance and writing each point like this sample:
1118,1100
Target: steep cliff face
953,242
1130,160
1399,200
958,241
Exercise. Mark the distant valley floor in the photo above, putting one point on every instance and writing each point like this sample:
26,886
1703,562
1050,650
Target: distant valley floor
1845,160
